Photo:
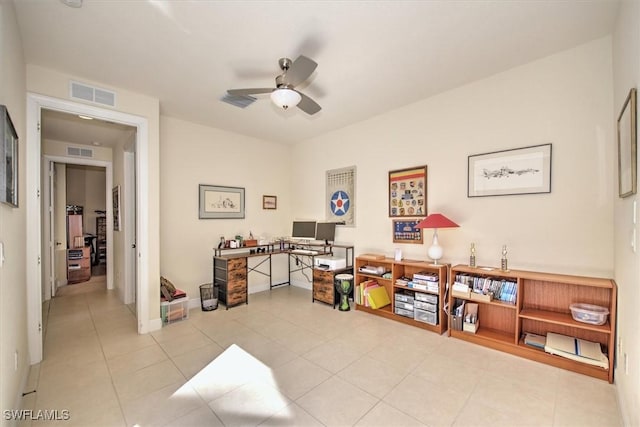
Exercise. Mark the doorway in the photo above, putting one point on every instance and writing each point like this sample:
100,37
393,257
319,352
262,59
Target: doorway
35,212
75,193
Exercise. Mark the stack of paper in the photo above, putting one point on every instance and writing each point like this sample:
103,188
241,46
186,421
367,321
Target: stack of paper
576,349
535,340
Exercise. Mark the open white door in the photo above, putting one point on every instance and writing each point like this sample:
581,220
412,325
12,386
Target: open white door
130,228
60,224
51,259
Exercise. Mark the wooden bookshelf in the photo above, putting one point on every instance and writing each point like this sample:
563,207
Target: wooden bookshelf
406,268
541,306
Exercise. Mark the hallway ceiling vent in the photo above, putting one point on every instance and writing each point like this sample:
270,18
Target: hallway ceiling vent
92,94
79,152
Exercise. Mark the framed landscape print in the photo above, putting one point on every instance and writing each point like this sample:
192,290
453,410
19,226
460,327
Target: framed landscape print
518,171
269,202
220,202
408,192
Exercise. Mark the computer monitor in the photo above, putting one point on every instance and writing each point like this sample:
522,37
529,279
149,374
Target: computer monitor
326,231
304,230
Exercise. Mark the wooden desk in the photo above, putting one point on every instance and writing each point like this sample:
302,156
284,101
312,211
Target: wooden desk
231,269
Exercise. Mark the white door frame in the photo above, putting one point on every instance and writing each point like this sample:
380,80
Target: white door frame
35,103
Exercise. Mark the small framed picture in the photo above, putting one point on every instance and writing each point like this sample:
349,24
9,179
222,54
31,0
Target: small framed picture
269,202
404,231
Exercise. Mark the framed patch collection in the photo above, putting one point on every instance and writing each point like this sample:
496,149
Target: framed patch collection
404,231
408,192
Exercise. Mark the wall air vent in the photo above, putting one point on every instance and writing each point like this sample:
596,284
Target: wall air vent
92,94
79,152
238,100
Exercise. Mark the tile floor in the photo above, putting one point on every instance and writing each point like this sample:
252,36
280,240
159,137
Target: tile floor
282,360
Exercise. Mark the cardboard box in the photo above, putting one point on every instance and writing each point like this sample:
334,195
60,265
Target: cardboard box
471,309
460,294
373,257
480,297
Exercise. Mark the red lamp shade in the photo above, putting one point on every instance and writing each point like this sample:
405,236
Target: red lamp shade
436,220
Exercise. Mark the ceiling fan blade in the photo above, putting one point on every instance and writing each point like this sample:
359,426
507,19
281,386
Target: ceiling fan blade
244,92
308,105
300,70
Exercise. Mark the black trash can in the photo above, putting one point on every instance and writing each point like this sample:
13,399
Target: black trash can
208,297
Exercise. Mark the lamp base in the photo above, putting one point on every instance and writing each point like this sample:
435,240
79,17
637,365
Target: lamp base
435,250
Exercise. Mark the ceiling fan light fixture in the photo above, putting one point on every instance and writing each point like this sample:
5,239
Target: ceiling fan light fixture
285,98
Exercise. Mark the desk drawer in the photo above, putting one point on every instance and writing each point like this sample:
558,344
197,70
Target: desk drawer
237,285
82,262
237,264
233,298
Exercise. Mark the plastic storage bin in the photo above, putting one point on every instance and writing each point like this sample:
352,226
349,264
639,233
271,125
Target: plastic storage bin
174,311
589,313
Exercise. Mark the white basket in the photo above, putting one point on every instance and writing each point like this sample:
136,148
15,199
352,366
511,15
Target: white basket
589,313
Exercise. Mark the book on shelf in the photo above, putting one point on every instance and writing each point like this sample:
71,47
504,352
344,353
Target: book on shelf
576,349
535,340
425,275
360,291
367,289
501,289
426,286
403,281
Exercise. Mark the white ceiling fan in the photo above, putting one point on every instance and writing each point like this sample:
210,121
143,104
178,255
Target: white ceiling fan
284,95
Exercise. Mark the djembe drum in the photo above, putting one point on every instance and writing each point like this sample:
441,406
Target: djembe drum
344,286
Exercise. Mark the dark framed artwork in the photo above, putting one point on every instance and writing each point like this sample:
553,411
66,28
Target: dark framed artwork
627,146
269,202
8,160
116,208
524,170
408,192
220,202
404,231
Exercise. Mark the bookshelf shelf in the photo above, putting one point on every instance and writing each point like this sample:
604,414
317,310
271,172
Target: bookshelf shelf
492,302
562,319
485,334
541,305
413,289
426,305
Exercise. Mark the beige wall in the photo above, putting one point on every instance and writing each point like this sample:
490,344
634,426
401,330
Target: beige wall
86,187
564,99
55,84
191,155
13,304
626,67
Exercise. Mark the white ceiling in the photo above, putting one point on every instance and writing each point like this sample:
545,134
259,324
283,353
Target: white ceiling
373,56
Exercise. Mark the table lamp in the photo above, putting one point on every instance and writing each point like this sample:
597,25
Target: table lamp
436,221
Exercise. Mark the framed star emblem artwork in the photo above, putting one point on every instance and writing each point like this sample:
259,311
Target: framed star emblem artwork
340,204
